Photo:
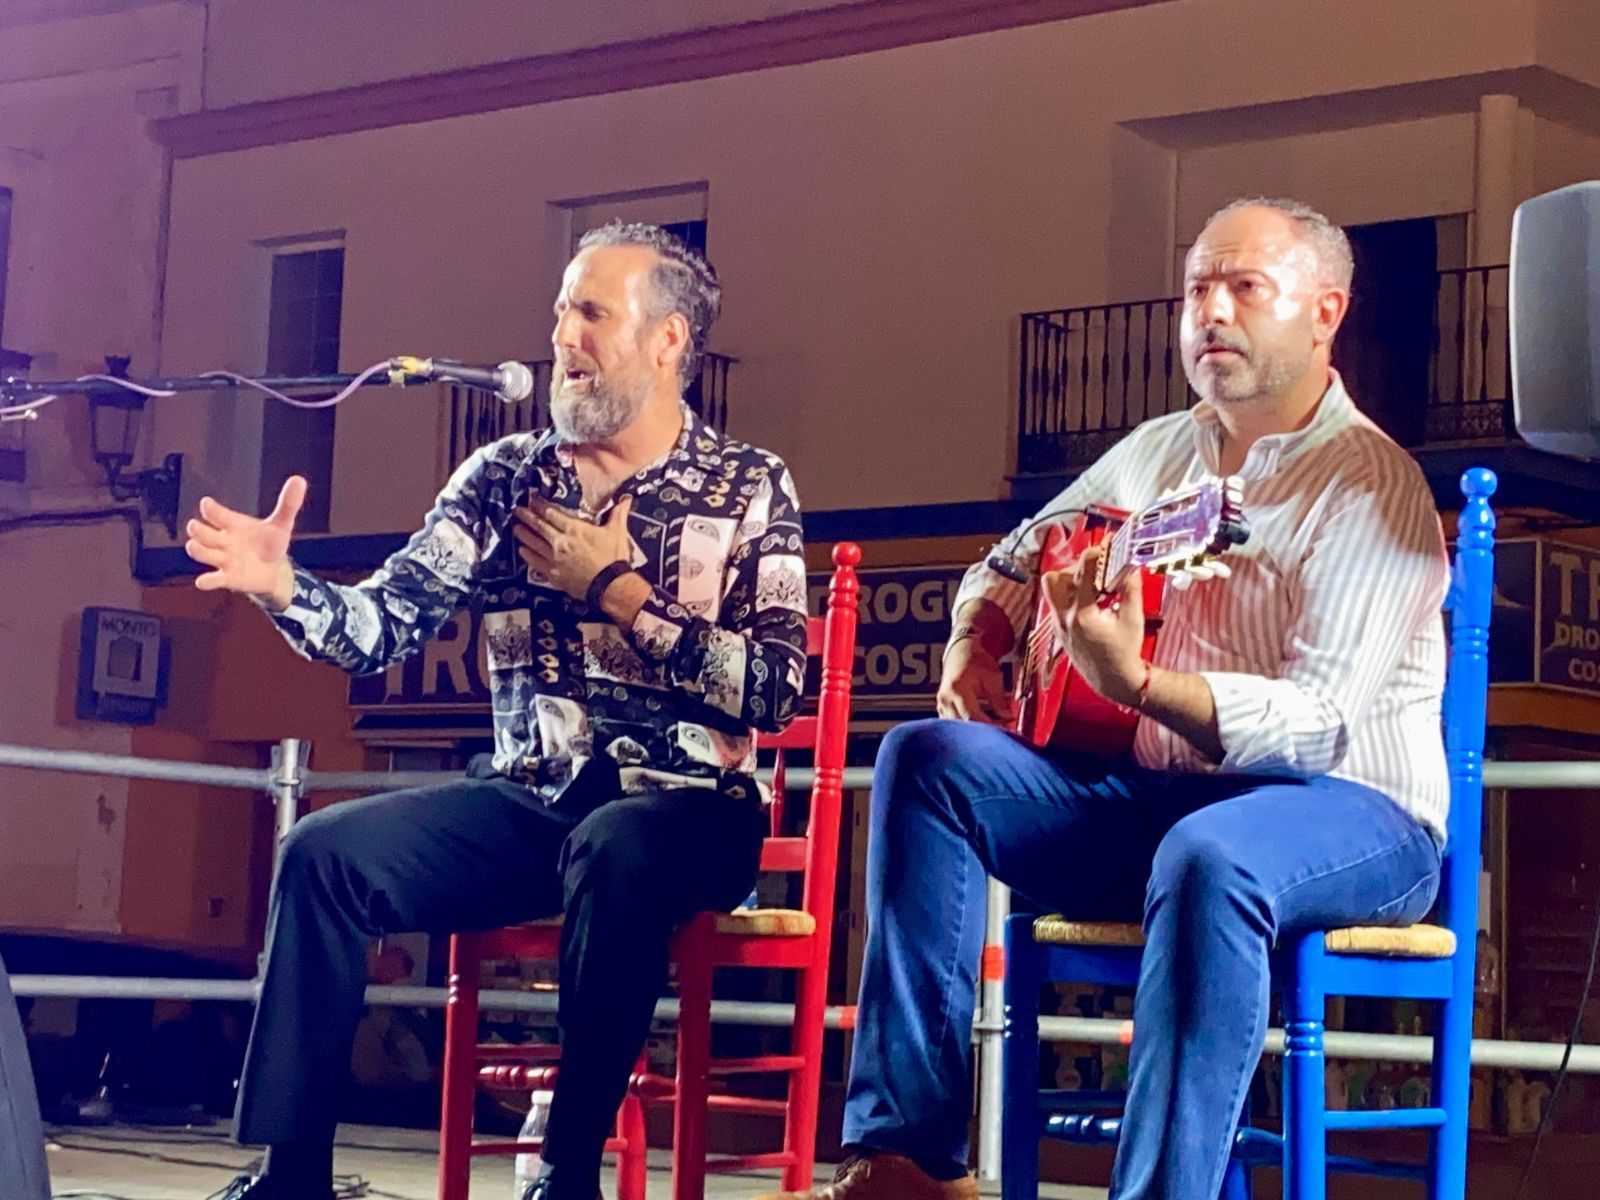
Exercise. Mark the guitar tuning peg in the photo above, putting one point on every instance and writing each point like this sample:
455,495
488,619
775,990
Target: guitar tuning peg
1220,569
1180,581
1202,571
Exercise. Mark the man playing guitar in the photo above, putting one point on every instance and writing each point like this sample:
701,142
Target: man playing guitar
1286,770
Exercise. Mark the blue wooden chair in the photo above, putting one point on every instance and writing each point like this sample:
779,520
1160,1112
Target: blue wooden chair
1431,962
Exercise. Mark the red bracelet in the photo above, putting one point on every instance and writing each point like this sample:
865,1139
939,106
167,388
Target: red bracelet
1144,688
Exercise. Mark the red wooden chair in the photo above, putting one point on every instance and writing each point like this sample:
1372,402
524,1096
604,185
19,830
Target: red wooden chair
795,939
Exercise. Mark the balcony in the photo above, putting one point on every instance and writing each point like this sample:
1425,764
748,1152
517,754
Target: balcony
1089,375
477,417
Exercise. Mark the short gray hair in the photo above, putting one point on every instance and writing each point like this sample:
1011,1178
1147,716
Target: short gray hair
683,282
1335,263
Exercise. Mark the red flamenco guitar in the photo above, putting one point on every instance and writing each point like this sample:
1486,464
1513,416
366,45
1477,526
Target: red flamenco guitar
1180,533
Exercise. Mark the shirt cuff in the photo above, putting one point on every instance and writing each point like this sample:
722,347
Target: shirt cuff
1241,709
310,611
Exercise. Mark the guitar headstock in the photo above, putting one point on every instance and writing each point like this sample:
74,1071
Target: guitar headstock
1183,532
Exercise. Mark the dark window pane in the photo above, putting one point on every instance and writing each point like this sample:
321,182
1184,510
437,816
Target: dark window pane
302,339
692,232
330,272
294,276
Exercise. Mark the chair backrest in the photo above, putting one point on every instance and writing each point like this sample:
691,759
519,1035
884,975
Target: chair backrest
816,853
1466,696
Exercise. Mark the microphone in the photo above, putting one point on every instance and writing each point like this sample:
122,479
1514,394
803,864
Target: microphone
510,381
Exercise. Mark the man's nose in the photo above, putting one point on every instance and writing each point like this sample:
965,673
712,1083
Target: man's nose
565,335
1215,308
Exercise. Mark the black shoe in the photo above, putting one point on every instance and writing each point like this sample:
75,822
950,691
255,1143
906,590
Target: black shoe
259,1187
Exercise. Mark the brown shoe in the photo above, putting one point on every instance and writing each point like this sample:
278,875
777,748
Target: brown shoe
884,1177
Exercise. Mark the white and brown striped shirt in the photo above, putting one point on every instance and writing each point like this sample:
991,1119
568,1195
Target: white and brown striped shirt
1325,648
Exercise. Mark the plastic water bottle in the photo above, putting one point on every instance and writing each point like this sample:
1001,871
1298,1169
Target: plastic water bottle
533,1126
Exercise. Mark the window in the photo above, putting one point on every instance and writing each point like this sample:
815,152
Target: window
679,209
302,339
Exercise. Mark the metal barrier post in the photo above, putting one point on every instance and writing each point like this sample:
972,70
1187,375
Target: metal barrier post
288,785
991,1094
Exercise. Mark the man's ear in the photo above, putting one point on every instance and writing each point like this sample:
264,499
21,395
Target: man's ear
1328,312
673,340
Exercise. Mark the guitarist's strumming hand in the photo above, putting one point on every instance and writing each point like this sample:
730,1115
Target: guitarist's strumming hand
1103,636
971,686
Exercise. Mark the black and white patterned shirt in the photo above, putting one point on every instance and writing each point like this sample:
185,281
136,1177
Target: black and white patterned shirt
717,650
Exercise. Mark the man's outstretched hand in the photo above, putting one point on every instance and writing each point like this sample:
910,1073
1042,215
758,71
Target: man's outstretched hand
248,555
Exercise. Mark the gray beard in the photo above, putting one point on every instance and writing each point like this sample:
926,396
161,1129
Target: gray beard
1262,375
605,412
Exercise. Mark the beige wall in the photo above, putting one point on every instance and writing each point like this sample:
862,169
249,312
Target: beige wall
75,98
264,51
879,221
1569,38
1563,155
1358,176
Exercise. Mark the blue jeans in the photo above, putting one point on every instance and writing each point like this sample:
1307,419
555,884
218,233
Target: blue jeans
1216,865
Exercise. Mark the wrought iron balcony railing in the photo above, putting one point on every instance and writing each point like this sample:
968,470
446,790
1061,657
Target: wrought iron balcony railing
1089,375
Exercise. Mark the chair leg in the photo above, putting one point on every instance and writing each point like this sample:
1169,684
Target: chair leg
633,1162
1305,1129
694,1084
805,1085
1452,1091
460,1069
1236,1183
1019,1119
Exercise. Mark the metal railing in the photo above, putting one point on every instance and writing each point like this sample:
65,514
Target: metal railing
1469,375
1089,375
477,417
289,780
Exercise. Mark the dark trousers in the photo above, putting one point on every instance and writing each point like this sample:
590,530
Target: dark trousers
482,854
22,1170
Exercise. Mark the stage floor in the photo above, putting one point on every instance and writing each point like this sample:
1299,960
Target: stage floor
396,1164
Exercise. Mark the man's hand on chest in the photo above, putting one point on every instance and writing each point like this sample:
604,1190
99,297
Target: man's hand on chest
566,551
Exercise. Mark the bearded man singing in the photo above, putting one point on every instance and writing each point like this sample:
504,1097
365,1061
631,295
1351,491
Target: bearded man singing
642,587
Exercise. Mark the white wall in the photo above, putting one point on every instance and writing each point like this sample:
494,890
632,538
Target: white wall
75,97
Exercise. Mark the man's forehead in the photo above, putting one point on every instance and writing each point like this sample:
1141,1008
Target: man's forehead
1233,249
618,260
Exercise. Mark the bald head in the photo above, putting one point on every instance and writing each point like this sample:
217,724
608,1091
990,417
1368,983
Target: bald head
1265,287
1326,241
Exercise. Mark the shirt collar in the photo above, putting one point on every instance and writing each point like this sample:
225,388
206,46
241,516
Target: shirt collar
1332,414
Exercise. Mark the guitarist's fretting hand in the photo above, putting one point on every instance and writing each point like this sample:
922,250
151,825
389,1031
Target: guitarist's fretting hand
971,687
1103,640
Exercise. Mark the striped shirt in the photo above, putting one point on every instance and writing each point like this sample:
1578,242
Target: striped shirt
1324,649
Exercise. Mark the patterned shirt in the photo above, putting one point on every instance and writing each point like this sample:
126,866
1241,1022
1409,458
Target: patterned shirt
1324,650
717,650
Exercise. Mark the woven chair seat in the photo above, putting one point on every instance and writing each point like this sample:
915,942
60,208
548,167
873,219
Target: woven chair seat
1387,941
1409,941
767,922
1058,931
748,922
